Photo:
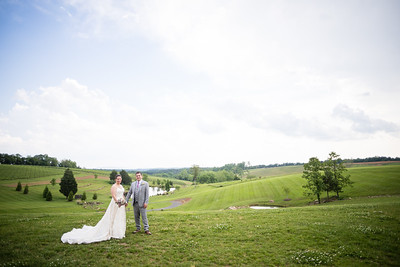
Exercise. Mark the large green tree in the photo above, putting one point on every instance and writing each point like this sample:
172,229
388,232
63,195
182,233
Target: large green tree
113,174
313,174
335,170
126,179
68,183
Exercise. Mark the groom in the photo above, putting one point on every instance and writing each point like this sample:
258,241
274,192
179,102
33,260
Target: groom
140,195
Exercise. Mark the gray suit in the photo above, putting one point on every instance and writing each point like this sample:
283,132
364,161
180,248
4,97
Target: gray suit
140,196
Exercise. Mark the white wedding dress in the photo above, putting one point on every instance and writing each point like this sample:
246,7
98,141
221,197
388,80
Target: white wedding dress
112,225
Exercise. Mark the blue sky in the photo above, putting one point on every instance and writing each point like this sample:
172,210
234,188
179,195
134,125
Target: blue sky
146,84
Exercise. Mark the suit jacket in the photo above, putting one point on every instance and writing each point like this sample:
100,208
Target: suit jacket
143,193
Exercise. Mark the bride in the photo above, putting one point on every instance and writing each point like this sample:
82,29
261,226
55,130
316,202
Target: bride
112,225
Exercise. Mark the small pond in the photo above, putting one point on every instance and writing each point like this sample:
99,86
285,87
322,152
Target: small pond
154,191
263,207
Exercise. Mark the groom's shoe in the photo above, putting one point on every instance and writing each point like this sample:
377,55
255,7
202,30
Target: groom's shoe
148,233
136,231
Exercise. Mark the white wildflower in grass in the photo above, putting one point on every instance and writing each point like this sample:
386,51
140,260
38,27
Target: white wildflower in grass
221,227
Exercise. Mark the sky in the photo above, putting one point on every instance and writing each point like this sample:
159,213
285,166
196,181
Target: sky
169,84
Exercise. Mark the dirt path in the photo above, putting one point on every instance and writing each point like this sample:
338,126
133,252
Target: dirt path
174,204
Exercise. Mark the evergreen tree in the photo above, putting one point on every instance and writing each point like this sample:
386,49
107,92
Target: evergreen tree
26,189
19,187
68,183
53,181
126,179
45,191
83,196
71,196
113,174
94,196
49,196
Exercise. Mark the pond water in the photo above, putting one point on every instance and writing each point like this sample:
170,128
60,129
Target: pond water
154,191
263,207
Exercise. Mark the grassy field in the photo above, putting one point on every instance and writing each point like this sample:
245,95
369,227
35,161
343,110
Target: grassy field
361,231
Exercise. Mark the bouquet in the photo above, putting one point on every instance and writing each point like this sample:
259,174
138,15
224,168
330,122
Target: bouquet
120,202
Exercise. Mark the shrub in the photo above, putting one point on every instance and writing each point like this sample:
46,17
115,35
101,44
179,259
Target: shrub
45,191
19,187
71,196
83,196
26,189
53,181
68,183
94,196
49,196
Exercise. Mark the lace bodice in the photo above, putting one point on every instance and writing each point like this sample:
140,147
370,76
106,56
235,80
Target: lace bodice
120,192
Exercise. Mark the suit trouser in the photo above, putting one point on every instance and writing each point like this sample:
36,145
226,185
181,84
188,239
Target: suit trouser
138,211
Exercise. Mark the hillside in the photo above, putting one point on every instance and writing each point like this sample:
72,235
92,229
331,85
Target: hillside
368,181
361,231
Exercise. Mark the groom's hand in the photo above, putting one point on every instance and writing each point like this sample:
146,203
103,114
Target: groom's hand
145,205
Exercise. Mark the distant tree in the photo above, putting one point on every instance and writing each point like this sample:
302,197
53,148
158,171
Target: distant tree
71,196
183,175
53,182
26,189
94,196
167,186
68,183
334,168
83,198
45,191
113,174
207,177
19,187
158,182
286,190
224,175
145,177
313,174
95,176
67,163
195,170
126,179
49,196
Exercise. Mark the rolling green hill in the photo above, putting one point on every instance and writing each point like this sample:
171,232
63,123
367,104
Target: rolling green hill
361,231
368,181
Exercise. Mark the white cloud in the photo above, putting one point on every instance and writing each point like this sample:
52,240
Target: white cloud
283,81
362,123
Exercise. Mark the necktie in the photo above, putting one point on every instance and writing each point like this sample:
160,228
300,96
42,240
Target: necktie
137,185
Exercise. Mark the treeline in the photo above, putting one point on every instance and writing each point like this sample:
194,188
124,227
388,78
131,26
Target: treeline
37,160
275,165
371,159
228,172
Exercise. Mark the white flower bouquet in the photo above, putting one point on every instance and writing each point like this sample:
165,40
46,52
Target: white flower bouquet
120,202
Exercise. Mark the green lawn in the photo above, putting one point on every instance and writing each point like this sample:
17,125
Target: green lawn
361,231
